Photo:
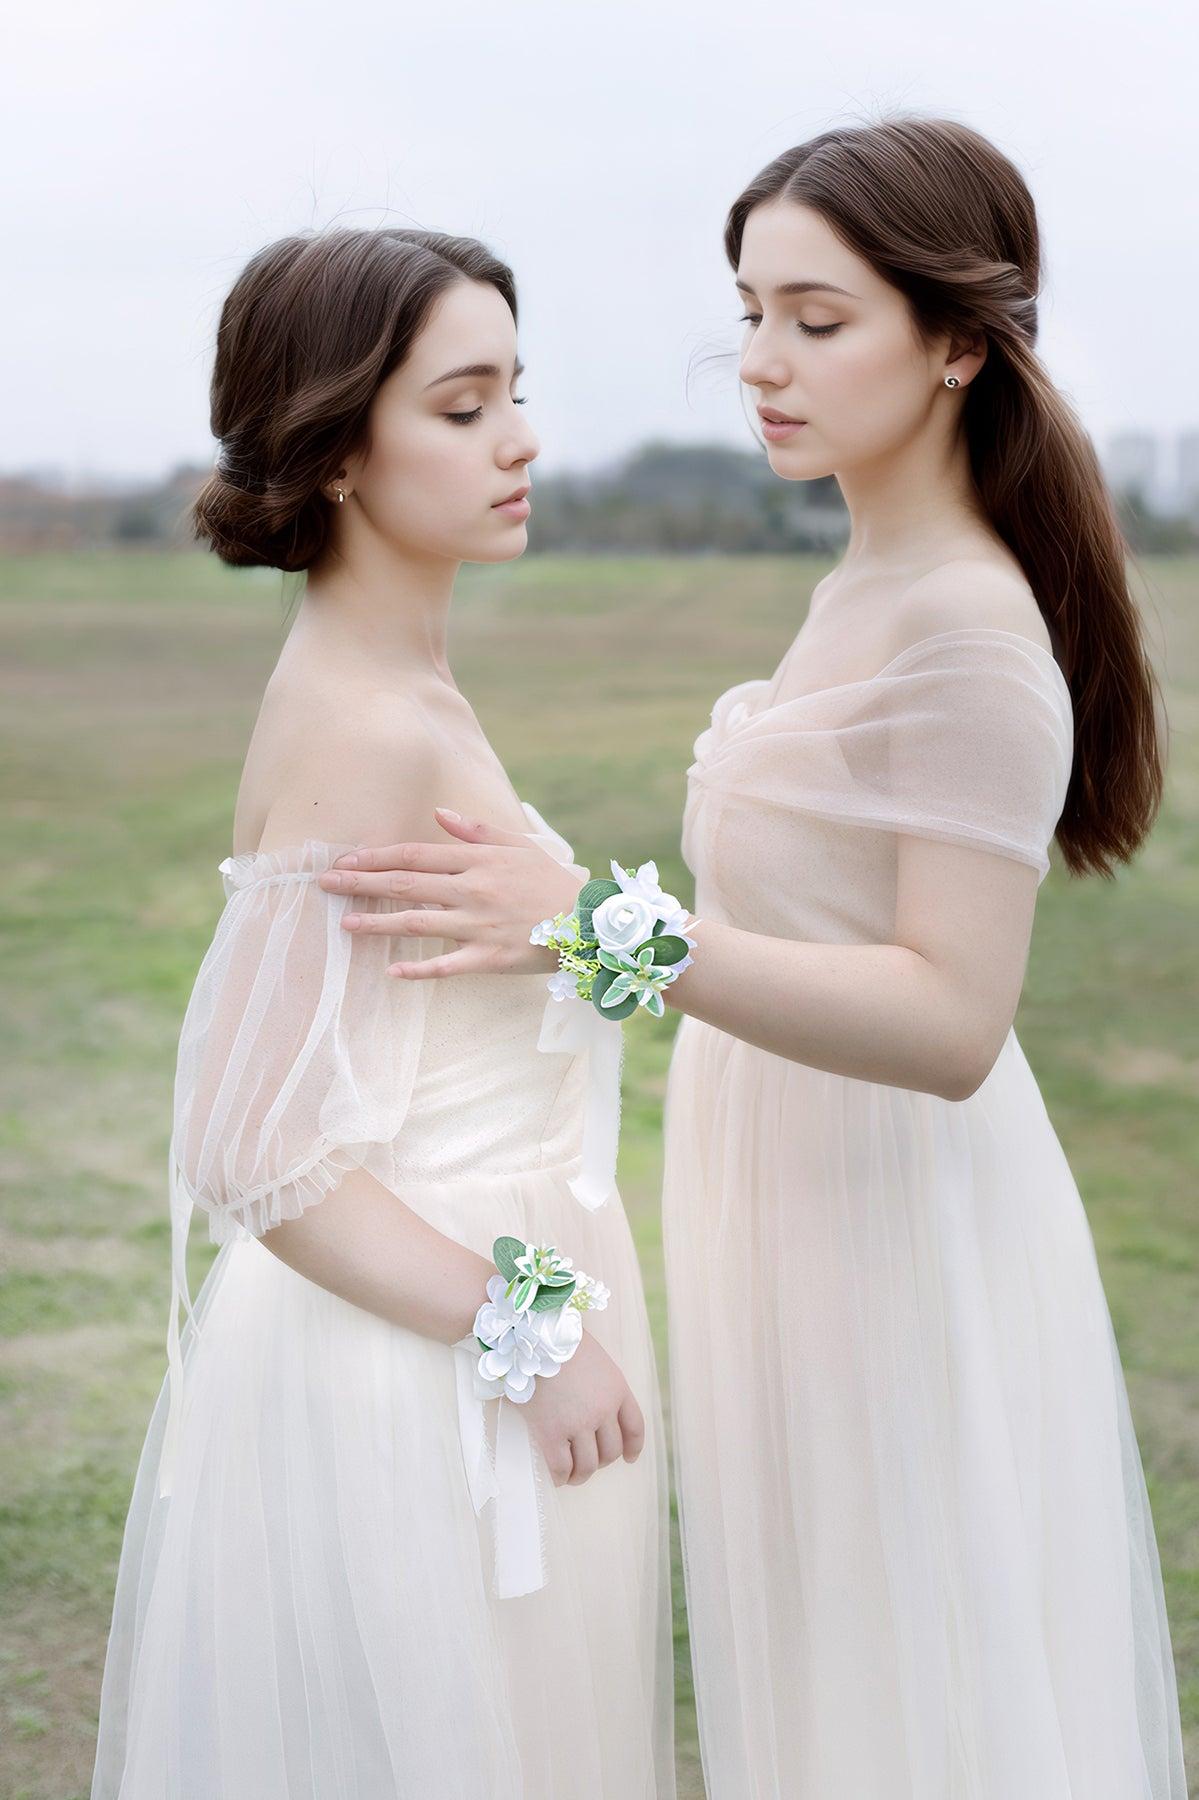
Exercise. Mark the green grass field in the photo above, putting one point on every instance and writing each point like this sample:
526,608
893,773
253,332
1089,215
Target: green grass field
130,685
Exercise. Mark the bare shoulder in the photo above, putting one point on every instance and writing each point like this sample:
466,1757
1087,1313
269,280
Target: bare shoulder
966,592
338,767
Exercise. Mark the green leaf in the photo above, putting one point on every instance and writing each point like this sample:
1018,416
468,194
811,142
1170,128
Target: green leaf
593,894
549,1299
504,1253
603,982
525,1288
617,961
669,949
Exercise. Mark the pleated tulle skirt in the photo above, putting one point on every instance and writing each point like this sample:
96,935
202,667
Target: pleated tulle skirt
309,1614
918,1550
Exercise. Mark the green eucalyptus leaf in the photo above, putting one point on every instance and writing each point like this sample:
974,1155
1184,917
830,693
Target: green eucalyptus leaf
603,982
593,893
504,1253
669,949
549,1299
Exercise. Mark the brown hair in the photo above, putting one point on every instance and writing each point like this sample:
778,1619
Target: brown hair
309,331
943,216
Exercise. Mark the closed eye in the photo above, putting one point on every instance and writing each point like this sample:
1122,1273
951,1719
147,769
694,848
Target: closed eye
468,418
808,330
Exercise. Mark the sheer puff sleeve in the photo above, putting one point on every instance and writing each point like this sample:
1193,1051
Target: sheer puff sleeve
297,1053
296,1063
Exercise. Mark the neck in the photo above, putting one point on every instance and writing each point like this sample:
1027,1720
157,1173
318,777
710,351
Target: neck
385,605
907,508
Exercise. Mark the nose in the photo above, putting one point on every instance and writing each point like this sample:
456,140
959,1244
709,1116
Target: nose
761,366
522,447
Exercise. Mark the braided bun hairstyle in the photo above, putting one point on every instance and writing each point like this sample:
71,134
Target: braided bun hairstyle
309,331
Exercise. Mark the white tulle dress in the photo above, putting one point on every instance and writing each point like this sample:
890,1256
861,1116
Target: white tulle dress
919,1557
344,1576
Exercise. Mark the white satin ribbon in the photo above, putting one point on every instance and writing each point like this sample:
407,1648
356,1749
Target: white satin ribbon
574,1026
510,1481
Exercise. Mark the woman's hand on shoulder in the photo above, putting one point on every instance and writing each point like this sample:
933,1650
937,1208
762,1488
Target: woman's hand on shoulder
483,892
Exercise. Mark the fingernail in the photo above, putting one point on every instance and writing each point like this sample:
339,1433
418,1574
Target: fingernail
447,812
350,921
346,862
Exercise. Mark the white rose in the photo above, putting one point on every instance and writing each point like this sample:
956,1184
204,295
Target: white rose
559,1331
623,921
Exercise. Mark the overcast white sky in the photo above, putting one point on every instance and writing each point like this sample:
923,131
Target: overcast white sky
148,149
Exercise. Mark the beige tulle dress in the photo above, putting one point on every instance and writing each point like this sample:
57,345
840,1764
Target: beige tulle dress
919,1557
345,1576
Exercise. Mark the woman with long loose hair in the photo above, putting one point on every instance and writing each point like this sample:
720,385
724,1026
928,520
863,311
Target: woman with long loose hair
344,1570
920,1561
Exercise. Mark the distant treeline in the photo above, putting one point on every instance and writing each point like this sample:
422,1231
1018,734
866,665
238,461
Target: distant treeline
663,497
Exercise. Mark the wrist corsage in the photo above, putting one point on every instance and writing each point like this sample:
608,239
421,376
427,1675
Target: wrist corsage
532,1320
621,946
529,1325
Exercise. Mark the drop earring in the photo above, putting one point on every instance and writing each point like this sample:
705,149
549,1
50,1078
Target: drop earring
341,494
952,381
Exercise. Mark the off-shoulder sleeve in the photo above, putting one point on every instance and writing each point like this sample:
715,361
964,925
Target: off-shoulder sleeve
979,743
965,737
297,1058
297,1053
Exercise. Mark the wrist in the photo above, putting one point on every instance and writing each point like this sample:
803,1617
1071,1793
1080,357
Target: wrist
622,946
471,1275
531,1322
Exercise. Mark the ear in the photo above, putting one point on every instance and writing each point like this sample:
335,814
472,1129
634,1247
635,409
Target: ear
340,482
966,358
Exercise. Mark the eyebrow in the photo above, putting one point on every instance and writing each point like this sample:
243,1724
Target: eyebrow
803,287
477,371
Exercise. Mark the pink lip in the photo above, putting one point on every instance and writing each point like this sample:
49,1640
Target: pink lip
776,432
514,509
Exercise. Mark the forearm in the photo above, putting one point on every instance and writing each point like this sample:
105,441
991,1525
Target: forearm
363,1243
876,1012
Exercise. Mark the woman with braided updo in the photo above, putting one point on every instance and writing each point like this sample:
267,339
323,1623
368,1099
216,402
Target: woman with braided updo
374,1551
